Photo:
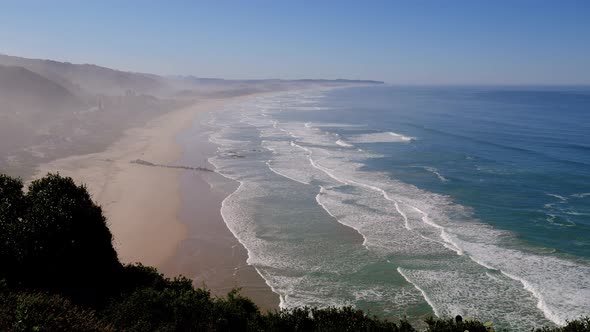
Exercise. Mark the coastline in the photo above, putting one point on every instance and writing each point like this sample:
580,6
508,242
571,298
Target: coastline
210,254
152,211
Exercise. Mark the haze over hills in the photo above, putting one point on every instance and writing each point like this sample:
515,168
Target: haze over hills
21,88
91,79
51,109
88,79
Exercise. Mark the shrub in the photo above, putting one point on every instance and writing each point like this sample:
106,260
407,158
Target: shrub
57,239
12,206
236,313
20,312
330,319
451,325
169,309
137,276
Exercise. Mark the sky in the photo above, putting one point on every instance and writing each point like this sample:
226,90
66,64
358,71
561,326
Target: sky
400,42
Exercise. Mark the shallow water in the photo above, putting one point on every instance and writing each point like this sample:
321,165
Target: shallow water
415,201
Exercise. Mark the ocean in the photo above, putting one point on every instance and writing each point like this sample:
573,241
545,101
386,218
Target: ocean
415,201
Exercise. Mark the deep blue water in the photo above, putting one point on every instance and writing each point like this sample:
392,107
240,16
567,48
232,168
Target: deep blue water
410,201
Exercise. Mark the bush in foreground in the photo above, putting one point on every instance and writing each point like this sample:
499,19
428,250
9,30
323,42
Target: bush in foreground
43,312
451,325
54,238
330,319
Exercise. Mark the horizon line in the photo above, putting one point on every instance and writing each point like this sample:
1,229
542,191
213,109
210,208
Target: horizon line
401,84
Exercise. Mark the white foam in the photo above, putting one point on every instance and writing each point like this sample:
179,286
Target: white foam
383,233
428,300
223,142
467,292
344,144
317,165
333,125
561,198
435,172
387,137
448,243
318,198
250,242
284,175
562,288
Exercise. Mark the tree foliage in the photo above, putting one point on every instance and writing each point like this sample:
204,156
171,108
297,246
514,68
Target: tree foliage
12,204
55,238
20,312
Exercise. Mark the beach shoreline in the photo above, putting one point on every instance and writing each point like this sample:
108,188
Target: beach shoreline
210,254
152,211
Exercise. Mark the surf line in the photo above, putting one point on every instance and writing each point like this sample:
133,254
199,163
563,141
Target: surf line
426,298
348,182
381,191
452,246
249,254
447,242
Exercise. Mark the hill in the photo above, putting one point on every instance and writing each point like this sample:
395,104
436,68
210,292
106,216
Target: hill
29,103
51,109
84,79
22,89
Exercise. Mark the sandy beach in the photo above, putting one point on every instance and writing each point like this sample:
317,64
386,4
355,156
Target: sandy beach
157,221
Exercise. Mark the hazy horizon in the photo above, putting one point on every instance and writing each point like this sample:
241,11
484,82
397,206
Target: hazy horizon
425,43
185,75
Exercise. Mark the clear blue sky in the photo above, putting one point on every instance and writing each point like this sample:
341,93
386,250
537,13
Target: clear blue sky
407,42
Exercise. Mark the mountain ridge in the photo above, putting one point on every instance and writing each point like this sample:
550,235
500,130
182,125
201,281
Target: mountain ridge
87,79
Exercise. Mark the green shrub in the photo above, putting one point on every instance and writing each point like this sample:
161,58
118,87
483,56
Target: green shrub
57,232
451,325
166,310
23,312
235,313
12,207
137,276
330,319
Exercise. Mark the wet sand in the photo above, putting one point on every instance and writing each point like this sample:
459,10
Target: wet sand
210,254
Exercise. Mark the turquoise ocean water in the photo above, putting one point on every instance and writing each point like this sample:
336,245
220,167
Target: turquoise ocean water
409,201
